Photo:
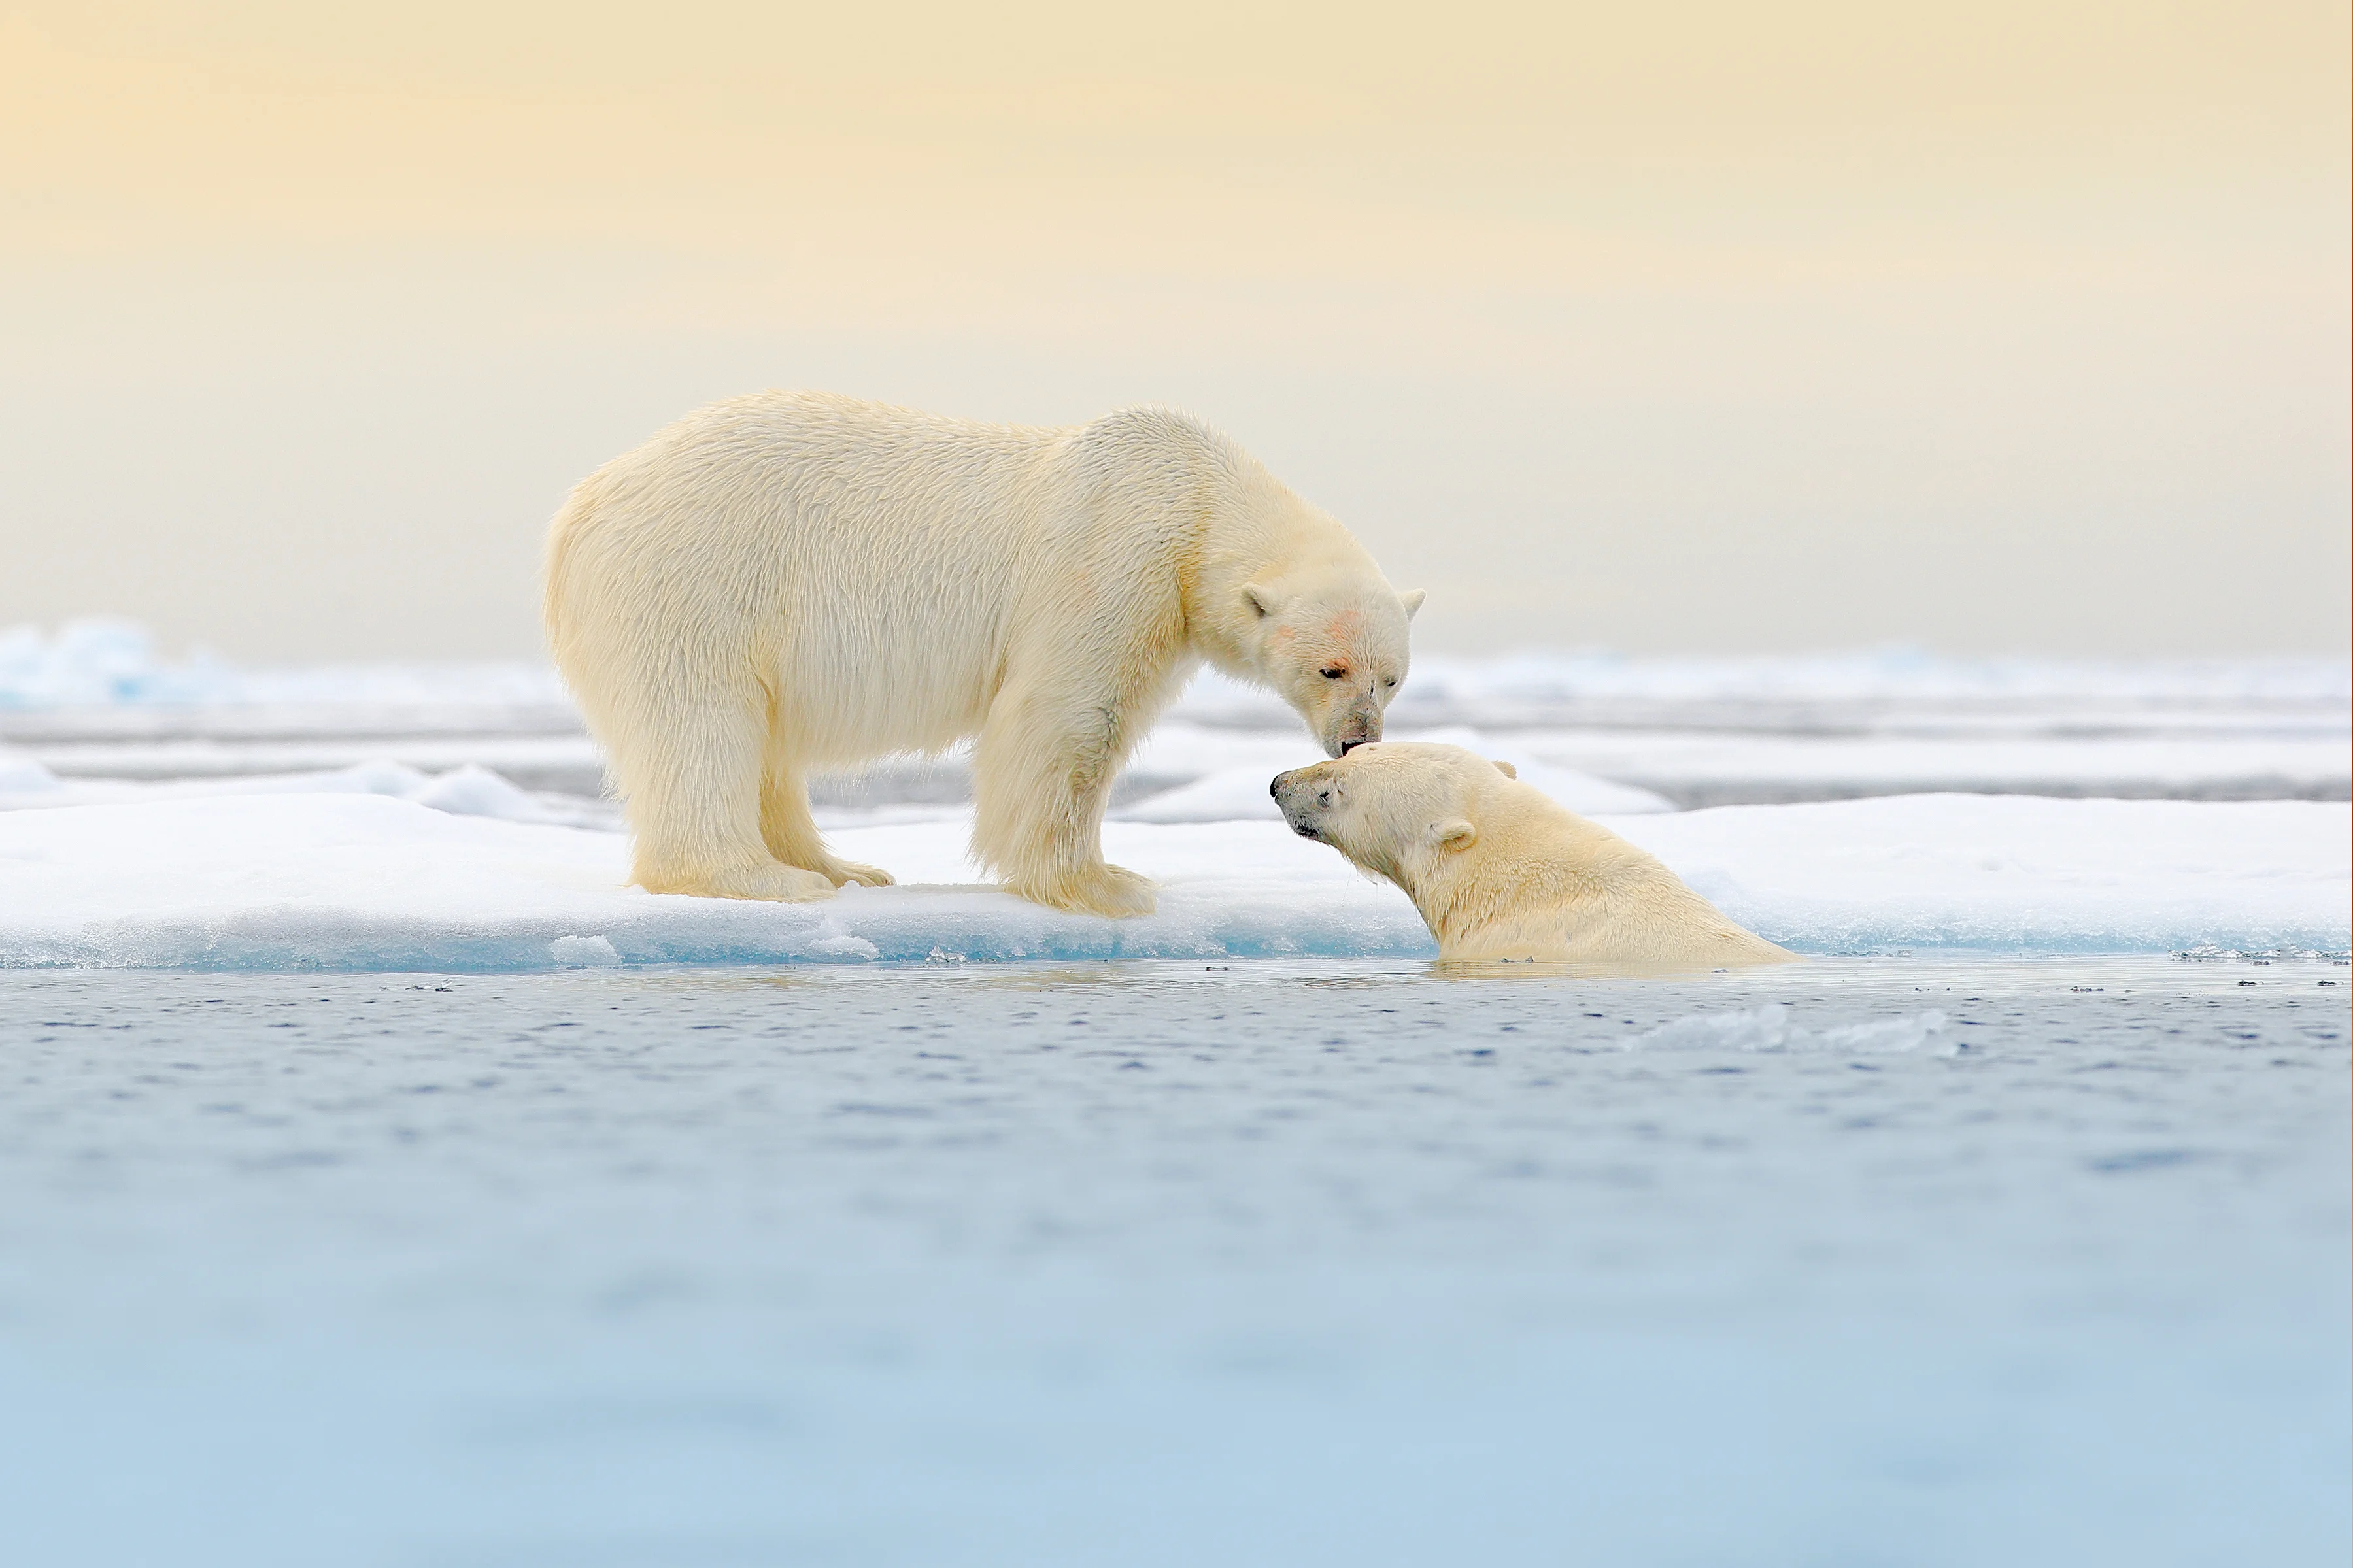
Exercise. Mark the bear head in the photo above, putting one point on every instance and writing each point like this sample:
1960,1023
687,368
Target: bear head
1399,809
1332,645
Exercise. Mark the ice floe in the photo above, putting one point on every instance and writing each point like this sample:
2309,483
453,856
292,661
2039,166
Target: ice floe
378,879
191,813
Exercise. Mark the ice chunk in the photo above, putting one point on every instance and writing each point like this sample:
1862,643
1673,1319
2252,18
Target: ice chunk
476,790
376,777
584,952
22,775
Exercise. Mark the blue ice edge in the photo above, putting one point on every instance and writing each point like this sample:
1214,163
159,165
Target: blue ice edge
958,926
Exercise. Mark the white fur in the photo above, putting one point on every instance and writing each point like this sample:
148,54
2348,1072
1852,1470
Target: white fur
793,581
1500,872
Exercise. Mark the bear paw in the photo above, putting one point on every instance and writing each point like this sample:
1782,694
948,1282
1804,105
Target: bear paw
776,882
840,871
1097,889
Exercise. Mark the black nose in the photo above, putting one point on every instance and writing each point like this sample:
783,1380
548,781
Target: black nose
1274,786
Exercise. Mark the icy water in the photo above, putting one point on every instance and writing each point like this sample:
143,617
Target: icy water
1862,1263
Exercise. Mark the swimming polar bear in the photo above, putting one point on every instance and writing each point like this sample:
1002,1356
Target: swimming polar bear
793,581
1500,872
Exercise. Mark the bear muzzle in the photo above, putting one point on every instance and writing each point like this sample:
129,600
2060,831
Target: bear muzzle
1297,799
1360,727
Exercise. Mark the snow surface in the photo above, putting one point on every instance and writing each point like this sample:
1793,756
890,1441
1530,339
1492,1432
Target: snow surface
380,880
192,813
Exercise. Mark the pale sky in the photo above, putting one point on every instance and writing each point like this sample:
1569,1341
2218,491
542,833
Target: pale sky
1712,328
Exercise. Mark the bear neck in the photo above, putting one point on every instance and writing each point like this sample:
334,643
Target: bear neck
1250,529
1516,868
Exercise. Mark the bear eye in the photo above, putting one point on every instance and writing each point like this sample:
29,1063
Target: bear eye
1325,798
1390,681
1335,673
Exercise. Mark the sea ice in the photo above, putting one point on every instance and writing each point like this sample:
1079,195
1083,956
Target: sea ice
373,881
125,840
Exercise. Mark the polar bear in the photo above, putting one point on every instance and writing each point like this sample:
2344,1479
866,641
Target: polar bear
793,581
1500,872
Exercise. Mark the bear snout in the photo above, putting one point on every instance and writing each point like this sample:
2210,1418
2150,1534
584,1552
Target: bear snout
1294,809
1358,729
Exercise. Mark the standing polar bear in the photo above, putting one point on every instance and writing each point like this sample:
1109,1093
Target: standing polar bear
794,581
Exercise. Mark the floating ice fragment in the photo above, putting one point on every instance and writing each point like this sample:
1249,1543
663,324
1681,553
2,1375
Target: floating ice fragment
2212,953
840,945
584,952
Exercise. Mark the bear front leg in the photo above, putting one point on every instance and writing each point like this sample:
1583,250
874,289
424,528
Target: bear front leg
791,835
1038,792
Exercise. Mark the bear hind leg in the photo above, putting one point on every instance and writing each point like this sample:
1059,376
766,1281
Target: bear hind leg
692,782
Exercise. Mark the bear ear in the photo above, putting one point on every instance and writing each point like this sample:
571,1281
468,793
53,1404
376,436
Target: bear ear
1260,600
1411,599
1456,835
1508,771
